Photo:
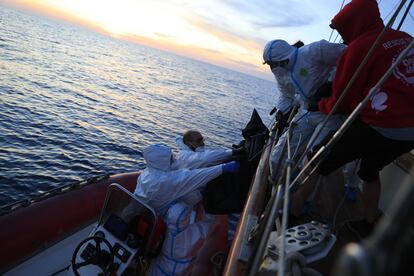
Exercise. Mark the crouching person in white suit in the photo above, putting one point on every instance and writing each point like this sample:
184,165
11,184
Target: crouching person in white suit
194,155
161,184
182,242
170,192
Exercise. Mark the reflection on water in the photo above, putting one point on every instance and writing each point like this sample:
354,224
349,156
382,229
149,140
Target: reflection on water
75,104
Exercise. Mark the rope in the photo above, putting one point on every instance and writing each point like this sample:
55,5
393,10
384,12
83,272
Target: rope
217,260
143,266
285,208
405,14
396,5
282,153
296,266
330,36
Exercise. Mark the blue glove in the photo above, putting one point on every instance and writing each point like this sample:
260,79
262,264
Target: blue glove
351,193
231,167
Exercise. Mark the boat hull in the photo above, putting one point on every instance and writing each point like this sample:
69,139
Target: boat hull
29,230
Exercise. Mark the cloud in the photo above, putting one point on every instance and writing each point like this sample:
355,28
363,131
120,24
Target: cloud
230,36
163,36
249,17
276,13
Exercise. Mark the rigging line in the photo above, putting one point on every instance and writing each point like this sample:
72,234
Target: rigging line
351,82
336,37
280,178
270,213
272,209
330,36
268,221
412,17
281,268
275,206
296,151
405,15
332,31
385,18
293,156
278,135
283,169
322,152
339,206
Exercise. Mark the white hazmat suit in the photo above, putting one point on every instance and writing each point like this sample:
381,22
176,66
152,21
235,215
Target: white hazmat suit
160,184
309,67
287,92
182,242
202,157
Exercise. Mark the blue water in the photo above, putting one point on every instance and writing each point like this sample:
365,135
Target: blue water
75,104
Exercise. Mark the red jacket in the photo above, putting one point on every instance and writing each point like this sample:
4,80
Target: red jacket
359,24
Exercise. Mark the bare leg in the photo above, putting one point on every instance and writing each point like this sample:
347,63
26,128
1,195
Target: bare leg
371,194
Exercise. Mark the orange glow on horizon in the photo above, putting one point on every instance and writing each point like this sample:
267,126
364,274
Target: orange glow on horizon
153,25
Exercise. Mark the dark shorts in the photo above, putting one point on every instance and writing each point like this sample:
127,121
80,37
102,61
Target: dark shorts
362,141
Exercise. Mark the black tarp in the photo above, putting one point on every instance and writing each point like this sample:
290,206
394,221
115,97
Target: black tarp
227,193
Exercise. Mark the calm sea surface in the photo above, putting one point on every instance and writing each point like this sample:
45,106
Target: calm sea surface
75,104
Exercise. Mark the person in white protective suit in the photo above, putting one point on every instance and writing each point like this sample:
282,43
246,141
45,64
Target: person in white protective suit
193,153
169,191
309,69
286,97
182,242
161,183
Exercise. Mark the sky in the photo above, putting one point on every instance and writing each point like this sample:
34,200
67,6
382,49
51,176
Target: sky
228,33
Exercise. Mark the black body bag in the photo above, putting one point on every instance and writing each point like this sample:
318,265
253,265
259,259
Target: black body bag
227,193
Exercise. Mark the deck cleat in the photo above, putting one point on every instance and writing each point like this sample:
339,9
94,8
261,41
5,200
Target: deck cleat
313,240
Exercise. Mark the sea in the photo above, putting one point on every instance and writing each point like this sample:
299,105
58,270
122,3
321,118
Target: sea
75,104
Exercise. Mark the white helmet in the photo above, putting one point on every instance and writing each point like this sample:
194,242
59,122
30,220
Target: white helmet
277,50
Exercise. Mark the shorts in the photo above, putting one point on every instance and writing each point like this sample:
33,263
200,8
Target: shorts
360,141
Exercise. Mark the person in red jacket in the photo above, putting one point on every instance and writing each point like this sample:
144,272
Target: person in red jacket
385,128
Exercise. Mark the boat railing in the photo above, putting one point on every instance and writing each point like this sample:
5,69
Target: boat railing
8,208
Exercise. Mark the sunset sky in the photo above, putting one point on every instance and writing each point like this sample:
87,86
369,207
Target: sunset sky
229,33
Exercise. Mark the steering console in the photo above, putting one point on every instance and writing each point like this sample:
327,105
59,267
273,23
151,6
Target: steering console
93,255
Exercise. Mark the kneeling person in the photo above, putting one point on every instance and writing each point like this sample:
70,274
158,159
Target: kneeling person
182,242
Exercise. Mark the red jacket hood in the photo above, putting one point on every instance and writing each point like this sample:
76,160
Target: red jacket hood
357,18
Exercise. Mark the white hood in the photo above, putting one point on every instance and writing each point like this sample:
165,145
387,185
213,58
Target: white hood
159,157
159,184
277,50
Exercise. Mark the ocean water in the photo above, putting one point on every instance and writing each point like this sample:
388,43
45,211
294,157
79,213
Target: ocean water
75,104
